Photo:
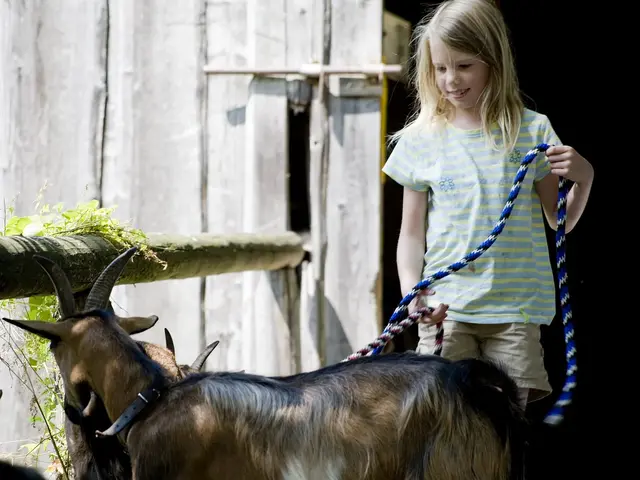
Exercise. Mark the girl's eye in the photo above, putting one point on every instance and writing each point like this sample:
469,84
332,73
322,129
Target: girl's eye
464,66
441,69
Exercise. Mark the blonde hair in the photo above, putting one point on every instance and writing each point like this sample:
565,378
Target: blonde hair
474,27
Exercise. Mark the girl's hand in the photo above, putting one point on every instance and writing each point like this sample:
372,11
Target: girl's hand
566,162
428,315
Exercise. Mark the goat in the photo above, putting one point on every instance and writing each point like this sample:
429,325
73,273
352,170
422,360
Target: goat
434,418
18,472
104,459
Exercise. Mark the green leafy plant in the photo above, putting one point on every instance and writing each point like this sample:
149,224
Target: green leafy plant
31,362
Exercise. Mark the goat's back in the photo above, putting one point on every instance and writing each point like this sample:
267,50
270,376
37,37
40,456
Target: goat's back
392,416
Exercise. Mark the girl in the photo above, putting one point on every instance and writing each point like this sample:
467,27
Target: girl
457,158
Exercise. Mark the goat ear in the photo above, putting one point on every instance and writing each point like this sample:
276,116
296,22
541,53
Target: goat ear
50,331
133,325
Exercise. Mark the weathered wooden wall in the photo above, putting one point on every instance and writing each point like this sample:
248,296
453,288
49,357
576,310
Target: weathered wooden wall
107,99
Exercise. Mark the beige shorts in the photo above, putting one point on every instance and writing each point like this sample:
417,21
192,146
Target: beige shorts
516,346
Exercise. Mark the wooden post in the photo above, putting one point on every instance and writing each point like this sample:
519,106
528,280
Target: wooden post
303,21
318,165
184,257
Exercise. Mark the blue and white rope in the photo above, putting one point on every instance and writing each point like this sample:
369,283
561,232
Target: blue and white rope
556,414
400,321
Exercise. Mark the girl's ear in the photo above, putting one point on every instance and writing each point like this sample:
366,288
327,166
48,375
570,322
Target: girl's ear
50,331
133,325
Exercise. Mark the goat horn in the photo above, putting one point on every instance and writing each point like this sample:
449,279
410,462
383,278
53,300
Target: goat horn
101,291
61,285
169,341
199,362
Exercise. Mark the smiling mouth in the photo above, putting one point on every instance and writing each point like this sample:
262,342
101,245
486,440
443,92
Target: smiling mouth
458,94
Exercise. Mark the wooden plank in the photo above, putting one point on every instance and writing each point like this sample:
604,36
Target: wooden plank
352,275
308,331
153,160
225,116
293,309
264,323
51,105
314,315
52,91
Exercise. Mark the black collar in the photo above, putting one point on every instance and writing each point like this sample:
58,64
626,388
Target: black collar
143,401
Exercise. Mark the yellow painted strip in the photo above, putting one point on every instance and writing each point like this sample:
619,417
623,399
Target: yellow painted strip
383,126
383,179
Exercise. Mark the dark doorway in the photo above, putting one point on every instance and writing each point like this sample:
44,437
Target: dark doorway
551,68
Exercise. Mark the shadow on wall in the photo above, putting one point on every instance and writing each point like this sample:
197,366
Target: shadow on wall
335,338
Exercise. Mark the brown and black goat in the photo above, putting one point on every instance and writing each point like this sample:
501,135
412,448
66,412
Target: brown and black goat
396,416
92,458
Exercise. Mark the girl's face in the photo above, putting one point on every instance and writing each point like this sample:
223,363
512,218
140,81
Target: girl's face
461,77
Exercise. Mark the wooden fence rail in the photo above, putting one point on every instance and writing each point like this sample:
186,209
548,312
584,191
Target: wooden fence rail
186,256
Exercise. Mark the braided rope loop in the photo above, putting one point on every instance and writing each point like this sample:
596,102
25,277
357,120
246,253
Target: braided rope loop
400,321
556,414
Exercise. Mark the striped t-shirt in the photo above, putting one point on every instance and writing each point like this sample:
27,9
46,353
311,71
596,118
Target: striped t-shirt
468,183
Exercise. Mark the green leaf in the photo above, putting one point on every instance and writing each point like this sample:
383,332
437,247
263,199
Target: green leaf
16,225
